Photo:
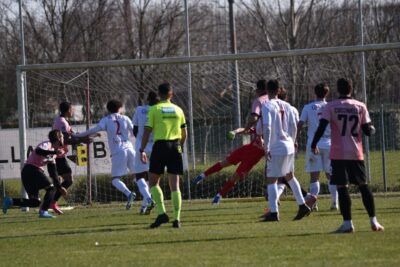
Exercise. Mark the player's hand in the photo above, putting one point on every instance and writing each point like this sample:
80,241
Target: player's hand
315,151
63,191
296,146
59,152
143,157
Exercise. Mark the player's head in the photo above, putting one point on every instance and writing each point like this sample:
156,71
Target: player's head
165,90
321,90
65,109
261,87
56,138
344,86
282,94
152,98
273,87
114,106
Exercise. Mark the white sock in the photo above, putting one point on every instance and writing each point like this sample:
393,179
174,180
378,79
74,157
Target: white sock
334,194
373,220
273,197
144,190
295,186
203,175
281,188
314,188
117,183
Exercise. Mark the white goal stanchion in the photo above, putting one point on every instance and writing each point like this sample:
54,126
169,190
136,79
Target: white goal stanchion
213,103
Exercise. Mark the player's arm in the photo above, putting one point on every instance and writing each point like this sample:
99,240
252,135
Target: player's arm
323,123
300,125
184,135
89,132
45,152
252,121
368,129
135,130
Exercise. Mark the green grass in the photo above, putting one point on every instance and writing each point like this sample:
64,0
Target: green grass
227,235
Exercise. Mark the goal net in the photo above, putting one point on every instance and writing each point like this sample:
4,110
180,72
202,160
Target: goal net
214,108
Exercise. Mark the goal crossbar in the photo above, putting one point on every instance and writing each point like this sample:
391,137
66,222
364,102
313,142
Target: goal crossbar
211,58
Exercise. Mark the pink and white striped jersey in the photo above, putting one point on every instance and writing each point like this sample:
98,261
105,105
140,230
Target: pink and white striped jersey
61,124
38,160
345,116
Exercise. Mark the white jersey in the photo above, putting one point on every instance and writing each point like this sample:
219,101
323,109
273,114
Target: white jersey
139,119
119,129
292,129
311,115
278,118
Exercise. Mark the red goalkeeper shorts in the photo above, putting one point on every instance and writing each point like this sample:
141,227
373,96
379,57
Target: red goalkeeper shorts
248,156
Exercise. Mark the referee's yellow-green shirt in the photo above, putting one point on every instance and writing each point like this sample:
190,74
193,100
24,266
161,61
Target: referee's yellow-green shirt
166,120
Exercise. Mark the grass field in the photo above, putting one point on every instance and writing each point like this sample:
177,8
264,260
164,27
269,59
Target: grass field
227,235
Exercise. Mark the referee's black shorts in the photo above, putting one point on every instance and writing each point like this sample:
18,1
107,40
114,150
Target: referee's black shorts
348,171
34,179
63,166
166,154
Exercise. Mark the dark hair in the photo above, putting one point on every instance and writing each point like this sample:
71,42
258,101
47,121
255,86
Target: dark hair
114,105
54,136
64,107
321,90
152,98
273,86
282,95
344,86
262,85
164,89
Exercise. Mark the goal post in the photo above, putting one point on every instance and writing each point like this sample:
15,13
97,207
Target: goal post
212,103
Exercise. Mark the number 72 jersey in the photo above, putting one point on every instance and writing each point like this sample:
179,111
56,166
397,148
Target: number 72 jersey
345,116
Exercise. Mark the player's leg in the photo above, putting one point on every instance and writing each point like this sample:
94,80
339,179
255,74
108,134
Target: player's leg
157,165
327,168
141,176
357,176
119,165
340,179
65,171
213,169
226,187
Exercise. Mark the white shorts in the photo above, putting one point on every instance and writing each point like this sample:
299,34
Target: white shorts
318,163
123,161
279,165
139,165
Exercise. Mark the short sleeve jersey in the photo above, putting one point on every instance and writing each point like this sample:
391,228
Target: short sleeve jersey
346,116
277,116
140,119
38,160
166,120
61,124
119,129
257,104
311,115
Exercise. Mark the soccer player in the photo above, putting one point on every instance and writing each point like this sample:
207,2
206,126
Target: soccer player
141,169
347,118
34,179
262,97
247,155
119,129
167,123
64,170
317,163
279,149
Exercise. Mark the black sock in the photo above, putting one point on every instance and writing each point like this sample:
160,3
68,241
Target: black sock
24,202
344,203
368,199
48,198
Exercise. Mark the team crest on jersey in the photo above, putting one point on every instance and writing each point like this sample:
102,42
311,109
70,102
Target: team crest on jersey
168,110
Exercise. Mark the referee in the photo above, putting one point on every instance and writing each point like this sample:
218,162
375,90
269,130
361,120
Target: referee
167,123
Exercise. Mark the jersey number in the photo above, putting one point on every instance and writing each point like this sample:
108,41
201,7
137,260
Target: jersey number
118,132
350,118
